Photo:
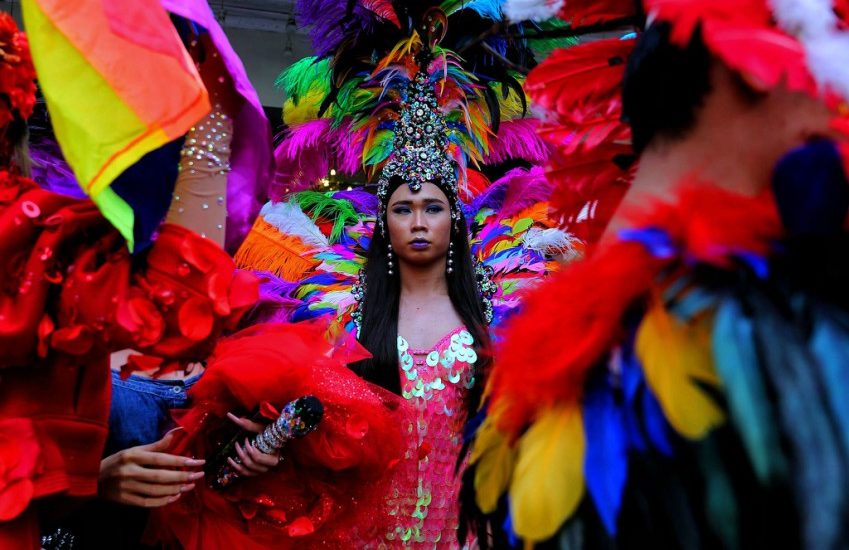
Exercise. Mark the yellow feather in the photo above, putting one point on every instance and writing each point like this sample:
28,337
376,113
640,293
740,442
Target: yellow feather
493,458
674,356
305,110
548,483
511,106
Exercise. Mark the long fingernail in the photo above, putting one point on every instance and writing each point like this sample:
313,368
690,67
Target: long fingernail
196,475
194,462
187,488
173,499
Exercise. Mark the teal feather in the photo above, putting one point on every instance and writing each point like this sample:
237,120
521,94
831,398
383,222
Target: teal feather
750,410
490,9
819,476
721,504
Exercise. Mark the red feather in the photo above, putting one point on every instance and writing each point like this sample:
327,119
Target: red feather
383,9
581,88
743,34
581,13
476,183
580,75
572,320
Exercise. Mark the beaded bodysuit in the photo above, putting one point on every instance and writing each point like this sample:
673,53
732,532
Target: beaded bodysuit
435,383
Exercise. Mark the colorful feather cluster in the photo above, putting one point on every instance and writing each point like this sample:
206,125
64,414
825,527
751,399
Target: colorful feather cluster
308,251
689,328
312,246
342,105
508,223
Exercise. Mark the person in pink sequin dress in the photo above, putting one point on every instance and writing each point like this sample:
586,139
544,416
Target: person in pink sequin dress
423,320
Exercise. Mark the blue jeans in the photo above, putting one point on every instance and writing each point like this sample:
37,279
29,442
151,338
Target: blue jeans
139,413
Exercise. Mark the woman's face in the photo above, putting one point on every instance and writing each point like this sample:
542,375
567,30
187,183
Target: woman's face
419,224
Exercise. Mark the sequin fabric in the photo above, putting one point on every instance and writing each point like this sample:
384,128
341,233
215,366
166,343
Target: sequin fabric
434,382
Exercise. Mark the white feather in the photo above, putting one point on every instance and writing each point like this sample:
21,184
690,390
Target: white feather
531,10
552,242
817,27
289,219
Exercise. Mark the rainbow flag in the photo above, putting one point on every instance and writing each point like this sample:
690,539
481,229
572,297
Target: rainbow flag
118,84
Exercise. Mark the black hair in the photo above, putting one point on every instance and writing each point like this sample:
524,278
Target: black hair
379,330
665,85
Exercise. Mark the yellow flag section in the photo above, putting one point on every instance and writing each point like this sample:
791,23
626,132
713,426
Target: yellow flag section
118,84
676,358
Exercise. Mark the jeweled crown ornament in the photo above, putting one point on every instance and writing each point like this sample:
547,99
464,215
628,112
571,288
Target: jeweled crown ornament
420,148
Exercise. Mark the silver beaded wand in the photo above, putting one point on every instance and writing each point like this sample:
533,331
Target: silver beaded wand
298,418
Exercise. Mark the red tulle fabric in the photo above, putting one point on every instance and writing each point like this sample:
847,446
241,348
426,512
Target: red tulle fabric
585,303
69,295
331,489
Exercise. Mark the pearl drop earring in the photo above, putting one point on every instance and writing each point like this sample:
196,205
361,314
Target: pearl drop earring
390,265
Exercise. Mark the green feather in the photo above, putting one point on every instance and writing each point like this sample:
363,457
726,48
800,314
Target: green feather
308,75
542,47
351,99
380,148
322,205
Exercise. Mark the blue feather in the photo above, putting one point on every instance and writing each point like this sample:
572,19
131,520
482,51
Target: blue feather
829,345
507,527
606,463
644,420
819,475
749,407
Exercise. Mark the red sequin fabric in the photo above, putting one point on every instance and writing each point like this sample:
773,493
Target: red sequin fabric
425,497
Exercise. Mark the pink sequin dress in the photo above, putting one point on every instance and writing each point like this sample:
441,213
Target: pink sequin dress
434,382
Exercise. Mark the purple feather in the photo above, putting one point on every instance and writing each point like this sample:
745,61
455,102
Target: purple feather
331,22
51,171
362,201
518,139
275,304
517,190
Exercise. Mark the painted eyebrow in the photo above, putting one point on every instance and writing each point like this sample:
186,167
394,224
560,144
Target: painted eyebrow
426,201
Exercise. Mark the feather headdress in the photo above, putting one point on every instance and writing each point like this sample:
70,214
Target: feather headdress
371,55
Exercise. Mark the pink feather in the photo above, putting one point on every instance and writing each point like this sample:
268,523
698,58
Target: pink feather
517,190
308,153
517,139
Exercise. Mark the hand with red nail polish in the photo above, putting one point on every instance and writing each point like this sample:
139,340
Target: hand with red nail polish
148,476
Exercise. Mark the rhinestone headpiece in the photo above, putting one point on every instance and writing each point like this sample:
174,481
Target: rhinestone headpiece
420,148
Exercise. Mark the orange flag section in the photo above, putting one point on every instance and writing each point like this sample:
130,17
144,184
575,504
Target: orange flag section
118,84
